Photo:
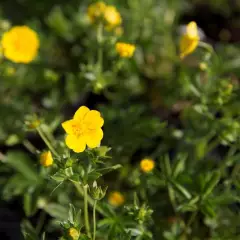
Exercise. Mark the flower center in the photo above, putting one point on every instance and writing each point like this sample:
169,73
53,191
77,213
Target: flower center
78,130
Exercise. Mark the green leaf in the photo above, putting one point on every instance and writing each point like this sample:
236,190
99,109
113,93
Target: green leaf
180,165
94,175
56,210
109,169
22,164
166,166
102,151
84,237
59,176
180,189
210,185
28,231
71,214
30,202
43,237
207,209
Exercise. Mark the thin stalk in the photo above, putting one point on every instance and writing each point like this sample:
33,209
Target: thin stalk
86,219
190,222
41,222
90,200
28,145
100,49
94,219
47,142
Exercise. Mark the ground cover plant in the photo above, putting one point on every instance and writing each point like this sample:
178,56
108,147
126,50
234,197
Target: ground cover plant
119,120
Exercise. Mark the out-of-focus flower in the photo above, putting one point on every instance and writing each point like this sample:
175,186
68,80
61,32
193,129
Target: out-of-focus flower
112,17
84,129
116,199
73,233
203,66
189,41
147,165
125,50
119,31
46,159
20,44
32,123
96,11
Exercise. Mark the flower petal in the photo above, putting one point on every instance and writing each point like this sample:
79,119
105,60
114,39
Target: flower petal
76,144
68,126
187,45
80,145
93,120
81,113
71,141
192,30
94,138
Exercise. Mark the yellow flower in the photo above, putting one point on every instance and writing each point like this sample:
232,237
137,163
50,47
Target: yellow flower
84,129
125,50
96,11
116,199
147,165
112,17
189,40
73,233
20,44
46,159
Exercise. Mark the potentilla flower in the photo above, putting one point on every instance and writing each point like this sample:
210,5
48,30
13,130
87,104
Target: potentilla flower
116,199
84,129
147,165
125,50
20,44
46,159
112,17
96,11
189,40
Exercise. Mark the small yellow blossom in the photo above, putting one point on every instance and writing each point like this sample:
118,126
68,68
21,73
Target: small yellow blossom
20,44
84,129
73,233
203,66
147,165
112,17
96,11
116,199
46,159
189,40
125,50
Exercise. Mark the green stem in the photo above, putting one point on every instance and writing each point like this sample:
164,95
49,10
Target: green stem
206,46
86,219
47,142
41,222
100,49
28,145
90,200
190,222
94,219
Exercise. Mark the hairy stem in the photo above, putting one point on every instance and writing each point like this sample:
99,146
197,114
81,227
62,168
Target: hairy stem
47,142
86,219
94,219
